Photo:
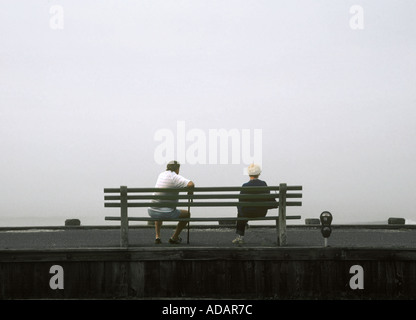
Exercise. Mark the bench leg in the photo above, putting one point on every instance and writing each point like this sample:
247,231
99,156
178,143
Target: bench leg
187,239
282,214
277,232
124,241
281,231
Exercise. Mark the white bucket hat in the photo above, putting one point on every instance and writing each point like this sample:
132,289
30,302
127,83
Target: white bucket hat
253,170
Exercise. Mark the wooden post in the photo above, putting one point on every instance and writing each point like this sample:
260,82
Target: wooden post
124,236
282,214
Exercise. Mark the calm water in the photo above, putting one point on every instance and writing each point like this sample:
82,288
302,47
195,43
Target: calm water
33,221
89,221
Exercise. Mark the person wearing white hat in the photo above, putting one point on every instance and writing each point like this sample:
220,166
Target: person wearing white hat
254,172
170,179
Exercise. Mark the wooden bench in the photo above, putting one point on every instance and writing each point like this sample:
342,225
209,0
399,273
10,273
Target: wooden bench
125,198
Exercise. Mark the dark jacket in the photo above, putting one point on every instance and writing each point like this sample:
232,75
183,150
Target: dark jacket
255,210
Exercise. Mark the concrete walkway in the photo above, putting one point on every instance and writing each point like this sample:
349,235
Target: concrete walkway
297,236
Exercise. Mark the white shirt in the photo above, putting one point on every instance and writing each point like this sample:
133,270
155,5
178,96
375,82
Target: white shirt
169,179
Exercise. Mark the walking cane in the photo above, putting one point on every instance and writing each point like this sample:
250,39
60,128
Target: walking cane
189,210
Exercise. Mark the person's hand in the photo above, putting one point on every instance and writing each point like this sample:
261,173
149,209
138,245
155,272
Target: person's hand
190,187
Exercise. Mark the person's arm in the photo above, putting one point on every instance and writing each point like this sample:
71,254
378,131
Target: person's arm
239,207
190,186
272,199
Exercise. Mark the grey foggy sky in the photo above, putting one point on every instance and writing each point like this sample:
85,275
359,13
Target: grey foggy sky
79,106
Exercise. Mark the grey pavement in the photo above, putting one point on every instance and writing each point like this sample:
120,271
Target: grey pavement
264,236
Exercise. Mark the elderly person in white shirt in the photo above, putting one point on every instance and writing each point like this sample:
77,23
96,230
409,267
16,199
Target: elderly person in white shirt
170,179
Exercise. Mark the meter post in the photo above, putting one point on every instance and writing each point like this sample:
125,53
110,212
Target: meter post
326,220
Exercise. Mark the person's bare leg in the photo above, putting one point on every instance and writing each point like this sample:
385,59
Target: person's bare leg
158,226
181,224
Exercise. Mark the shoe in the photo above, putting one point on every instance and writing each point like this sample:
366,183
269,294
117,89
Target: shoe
158,241
238,240
172,241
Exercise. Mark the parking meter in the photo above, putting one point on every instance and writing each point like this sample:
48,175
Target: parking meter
326,220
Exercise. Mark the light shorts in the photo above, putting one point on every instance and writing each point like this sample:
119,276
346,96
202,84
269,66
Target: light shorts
175,213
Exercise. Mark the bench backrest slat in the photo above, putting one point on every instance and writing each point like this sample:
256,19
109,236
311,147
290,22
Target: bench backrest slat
202,189
202,204
204,196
